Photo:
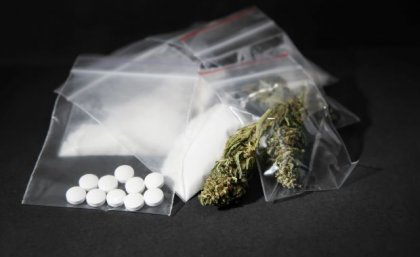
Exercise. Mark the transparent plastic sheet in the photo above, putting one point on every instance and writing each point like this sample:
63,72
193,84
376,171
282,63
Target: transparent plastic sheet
157,111
57,171
144,105
146,49
243,36
256,86
341,116
195,152
154,46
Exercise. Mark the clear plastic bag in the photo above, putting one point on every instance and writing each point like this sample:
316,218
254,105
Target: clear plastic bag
229,34
195,152
57,170
341,116
156,110
144,105
319,158
82,141
243,36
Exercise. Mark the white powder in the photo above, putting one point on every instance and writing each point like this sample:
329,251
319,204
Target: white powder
188,162
90,140
195,153
152,126
149,124
146,127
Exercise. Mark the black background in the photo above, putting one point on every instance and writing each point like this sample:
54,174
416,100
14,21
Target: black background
373,48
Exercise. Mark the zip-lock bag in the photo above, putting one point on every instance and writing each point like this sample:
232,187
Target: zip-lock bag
243,36
299,148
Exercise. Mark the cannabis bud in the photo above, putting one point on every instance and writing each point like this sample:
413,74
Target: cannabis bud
286,142
282,126
228,179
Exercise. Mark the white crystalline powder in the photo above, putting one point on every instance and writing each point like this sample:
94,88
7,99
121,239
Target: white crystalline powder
155,132
195,153
91,139
146,122
128,130
147,126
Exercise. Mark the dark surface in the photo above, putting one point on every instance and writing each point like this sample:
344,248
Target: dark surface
376,212
36,31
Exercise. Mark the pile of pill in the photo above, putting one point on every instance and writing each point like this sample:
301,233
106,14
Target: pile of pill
96,191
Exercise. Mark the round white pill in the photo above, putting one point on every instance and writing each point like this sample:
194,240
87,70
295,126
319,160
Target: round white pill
115,198
154,180
133,202
153,197
134,185
123,173
107,183
88,182
95,197
75,195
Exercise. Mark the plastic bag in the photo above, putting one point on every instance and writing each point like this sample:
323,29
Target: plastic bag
156,111
243,36
292,160
195,152
341,116
143,105
57,171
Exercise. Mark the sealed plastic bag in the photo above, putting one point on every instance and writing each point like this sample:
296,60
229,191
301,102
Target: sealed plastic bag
195,152
298,147
243,36
158,112
143,105
341,116
78,144
60,165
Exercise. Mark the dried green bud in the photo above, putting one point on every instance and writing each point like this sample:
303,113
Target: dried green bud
286,142
282,125
228,179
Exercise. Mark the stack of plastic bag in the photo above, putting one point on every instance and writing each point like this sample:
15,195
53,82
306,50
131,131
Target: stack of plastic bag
169,103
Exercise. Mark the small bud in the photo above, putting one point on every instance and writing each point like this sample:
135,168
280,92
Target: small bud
281,128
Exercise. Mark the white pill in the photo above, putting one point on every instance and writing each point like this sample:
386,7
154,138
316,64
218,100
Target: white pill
123,173
75,195
115,198
154,180
95,197
107,183
133,202
134,185
88,182
153,197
